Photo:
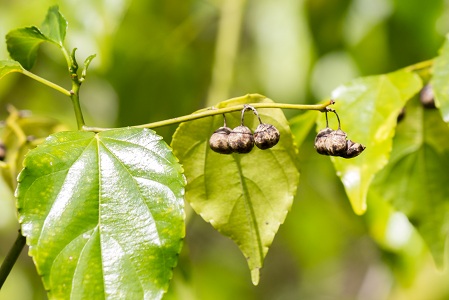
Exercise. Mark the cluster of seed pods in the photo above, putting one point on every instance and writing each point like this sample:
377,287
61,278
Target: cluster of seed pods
241,139
335,143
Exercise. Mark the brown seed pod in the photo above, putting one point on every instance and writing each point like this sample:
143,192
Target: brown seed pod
266,136
241,139
218,142
401,115
321,140
427,97
2,151
353,149
334,143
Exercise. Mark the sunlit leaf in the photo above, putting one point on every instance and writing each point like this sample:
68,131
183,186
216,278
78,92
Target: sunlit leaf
9,66
244,196
440,80
415,180
368,108
103,213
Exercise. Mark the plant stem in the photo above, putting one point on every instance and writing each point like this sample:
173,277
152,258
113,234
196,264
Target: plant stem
212,111
11,258
46,82
76,84
74,95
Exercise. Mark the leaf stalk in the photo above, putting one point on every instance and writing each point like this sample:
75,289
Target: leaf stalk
46,82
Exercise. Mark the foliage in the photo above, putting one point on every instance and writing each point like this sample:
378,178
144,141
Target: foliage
91,211
104,207
228,190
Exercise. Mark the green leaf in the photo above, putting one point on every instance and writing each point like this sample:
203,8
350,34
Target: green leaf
244,196
23,44
415,180
368,108
103,213
87,64
440,79
9,66
54,26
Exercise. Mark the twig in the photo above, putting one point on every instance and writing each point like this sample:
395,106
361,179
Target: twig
11,258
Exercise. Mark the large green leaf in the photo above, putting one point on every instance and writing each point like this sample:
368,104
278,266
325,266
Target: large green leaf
368,108
103,213
23,43
415,180
9,66
440,80
244,196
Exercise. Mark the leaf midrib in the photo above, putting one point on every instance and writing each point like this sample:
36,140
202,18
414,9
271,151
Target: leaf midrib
247,198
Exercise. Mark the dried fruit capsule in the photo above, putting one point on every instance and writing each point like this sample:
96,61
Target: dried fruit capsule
218,142
2,151
427,97
336,142
241,139
353,149
320,140
401,115
330,142
266,136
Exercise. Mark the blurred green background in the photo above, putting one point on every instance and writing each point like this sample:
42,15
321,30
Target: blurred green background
161,59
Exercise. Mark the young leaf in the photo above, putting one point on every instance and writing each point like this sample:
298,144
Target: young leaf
54,26
9,66
23,43
368,108
244,196
440,79
415,180
103,213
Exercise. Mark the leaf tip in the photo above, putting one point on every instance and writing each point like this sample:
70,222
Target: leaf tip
360,208
255,276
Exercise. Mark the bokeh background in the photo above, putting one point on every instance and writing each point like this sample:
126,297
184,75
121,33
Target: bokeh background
162,59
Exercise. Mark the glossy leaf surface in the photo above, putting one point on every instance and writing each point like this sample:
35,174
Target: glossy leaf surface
440,80
103,213
244,196
415,180
23,43
368,108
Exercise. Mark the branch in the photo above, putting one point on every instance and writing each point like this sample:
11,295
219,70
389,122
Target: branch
11,258
212,111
